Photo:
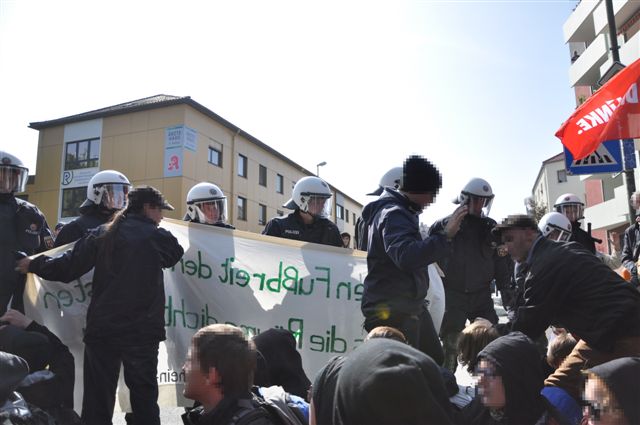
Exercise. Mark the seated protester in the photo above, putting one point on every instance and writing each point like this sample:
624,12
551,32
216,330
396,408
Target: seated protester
510,380
611,392
388,382
219,371
309,221
324,385
281,363
53,391
14,409
473,339
207,204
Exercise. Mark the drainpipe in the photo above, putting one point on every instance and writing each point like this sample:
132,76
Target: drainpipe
234,198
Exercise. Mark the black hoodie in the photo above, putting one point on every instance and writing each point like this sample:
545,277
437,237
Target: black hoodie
622,376
517,361
387,382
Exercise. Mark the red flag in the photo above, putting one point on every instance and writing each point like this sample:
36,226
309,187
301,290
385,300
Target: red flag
613,112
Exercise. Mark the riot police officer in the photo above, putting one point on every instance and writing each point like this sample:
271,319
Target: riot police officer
207,204
471,267
23,230
106,194
311,202
573,208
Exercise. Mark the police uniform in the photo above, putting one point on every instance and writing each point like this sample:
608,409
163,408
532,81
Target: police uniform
469,271
321,231
23,228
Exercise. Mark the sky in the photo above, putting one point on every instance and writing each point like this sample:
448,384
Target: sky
477,87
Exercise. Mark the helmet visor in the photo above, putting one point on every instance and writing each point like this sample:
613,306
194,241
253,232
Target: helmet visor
478,205
114,195
13,179
573,212
211,212
319,206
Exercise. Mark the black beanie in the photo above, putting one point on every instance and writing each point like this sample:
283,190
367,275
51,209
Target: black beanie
420,176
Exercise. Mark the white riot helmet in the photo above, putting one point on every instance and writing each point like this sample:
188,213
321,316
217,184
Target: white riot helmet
311,195
391,179
476,190
571,206
206,204
108,188
13,174
555,226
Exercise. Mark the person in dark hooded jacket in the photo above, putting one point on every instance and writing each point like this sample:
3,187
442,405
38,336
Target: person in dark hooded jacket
611,392
279,363
509,385
387,382
397,281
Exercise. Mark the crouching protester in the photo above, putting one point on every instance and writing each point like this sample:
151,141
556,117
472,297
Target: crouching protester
125,318
14,409
50,382
219,371
567,286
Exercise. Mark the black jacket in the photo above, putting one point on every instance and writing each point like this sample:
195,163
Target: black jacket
321,231
22,228
569,287
582,237
127,304
398,257
631,250
230,411
474,262
91,217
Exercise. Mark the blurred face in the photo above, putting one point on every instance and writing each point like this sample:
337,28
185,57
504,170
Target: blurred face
601,406
490,386
195,385
153,212
422,199
346,240
518,243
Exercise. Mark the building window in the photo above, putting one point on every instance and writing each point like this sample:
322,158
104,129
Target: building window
242,208
71,201
562,176
354,217
262,216
262,176
346,215
82,154
280,213
215,156
339,212
279,183
242,165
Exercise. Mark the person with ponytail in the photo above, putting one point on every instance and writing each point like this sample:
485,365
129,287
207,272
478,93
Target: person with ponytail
125,318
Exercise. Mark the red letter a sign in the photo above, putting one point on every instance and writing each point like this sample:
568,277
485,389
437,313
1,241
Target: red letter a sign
613,112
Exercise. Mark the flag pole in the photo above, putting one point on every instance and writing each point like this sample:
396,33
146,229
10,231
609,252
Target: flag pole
629,174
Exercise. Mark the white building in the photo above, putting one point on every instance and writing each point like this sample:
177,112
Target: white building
553,181
586,32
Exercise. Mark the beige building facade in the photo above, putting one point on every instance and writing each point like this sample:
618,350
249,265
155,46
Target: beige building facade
170,143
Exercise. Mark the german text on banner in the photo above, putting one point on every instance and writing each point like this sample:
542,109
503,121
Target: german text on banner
252,281
612,113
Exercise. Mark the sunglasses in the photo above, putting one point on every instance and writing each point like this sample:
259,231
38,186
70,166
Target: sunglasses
594,408
486,372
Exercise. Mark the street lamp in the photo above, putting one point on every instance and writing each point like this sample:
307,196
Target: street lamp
322,164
